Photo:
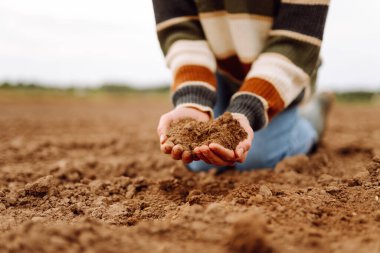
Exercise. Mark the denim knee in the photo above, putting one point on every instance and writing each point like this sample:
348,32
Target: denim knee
198,166
261,157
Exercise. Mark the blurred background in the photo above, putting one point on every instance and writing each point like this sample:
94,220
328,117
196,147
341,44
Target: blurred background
87,43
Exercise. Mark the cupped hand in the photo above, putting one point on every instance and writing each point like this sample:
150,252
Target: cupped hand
218,155
176,151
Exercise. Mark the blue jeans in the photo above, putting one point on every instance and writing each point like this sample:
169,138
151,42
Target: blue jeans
288,134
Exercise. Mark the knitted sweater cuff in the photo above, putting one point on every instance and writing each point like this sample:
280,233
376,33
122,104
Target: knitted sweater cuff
259,100
252,107
194,86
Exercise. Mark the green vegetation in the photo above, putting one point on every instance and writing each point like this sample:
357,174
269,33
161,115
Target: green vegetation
21,86
358,97
122,88
118,89
108,87
37,92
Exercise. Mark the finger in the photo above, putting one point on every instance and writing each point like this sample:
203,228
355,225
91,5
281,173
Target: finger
177,152
239,151
162,147
195,157
187,157
167,147
213,158
163,125
224,153
242,147
243,157
163,138
246,145
201,156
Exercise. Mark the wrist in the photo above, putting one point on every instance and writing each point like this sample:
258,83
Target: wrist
195,87
251,107
195,93
239,116
201,108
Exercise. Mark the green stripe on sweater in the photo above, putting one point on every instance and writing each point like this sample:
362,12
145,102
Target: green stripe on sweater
188,30
208,6
302,54
258,7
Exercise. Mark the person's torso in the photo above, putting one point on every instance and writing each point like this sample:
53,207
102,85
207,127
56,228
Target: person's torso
237,31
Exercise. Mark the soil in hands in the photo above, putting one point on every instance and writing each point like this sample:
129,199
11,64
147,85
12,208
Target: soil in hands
190,133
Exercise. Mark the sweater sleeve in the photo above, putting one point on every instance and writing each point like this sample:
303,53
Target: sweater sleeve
187,54
282,72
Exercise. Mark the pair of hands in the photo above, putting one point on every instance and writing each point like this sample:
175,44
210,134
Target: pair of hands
214,153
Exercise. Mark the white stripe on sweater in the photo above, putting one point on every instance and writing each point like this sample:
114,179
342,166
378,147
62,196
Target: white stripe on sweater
288,79
249,34
215,26
173,21
190,52
196,83
241,34
297,36
307,2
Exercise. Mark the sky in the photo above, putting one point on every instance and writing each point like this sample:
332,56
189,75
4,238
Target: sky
89,42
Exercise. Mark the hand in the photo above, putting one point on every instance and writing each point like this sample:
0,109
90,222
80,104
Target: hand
218,155
168,147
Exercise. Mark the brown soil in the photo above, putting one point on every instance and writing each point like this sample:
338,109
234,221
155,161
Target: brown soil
190,133
86,175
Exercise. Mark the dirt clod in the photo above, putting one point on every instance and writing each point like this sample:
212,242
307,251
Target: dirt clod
40,187
377,215
265,191
250,235
189,133
333,189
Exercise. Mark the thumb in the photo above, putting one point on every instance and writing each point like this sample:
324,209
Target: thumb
162,128
243,147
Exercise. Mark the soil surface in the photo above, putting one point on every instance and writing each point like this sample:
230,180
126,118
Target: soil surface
189,133
87,175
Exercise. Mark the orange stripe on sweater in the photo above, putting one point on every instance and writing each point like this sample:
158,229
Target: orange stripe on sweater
193,73
266,90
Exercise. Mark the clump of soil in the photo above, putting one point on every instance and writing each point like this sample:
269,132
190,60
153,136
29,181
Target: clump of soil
249,234
225,130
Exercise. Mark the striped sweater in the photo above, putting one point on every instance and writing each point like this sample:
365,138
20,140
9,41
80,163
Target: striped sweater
269,47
